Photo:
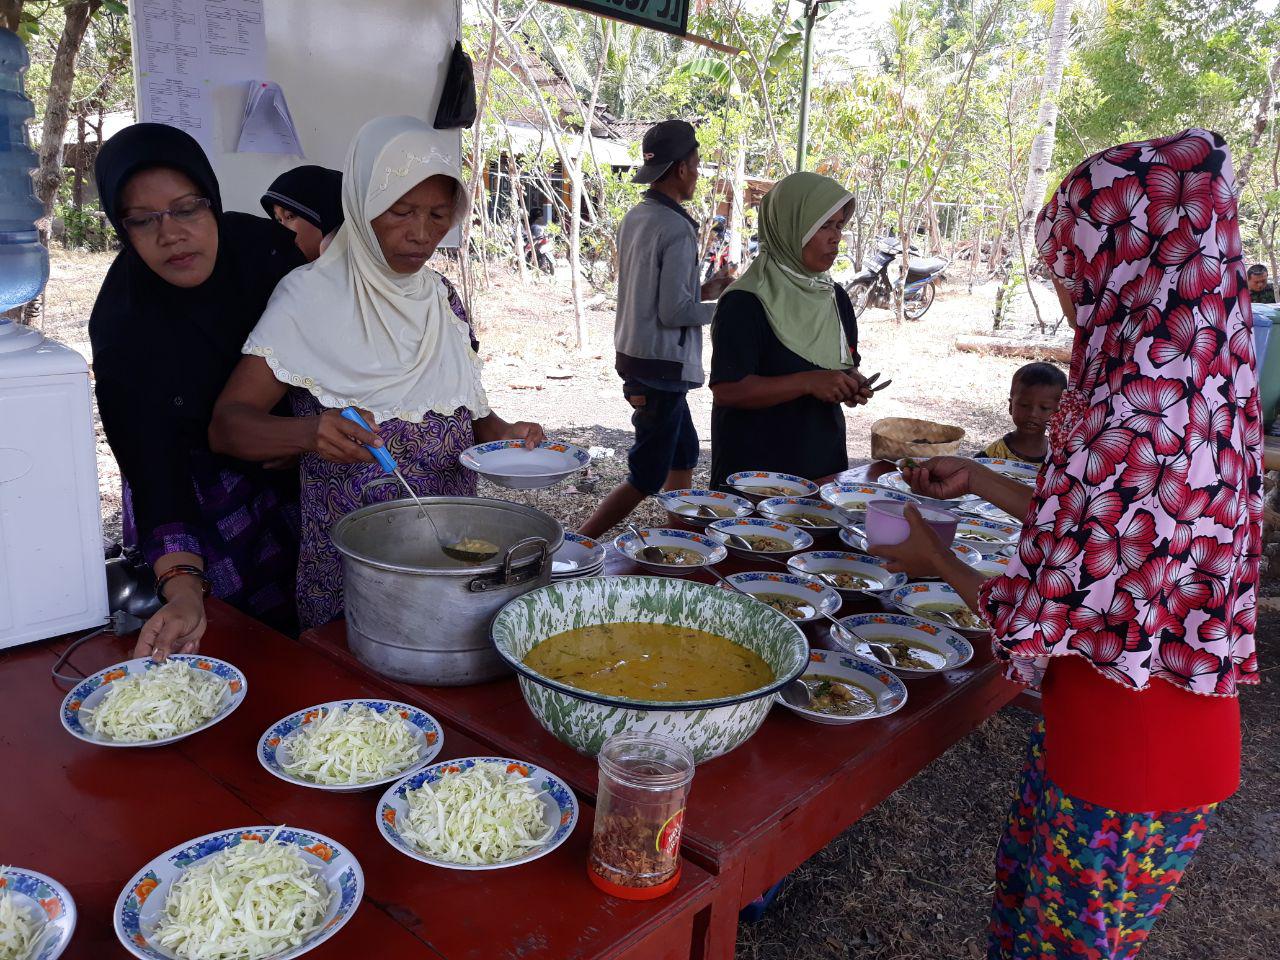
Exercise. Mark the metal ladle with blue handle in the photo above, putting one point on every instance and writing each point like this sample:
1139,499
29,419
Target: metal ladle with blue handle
389,466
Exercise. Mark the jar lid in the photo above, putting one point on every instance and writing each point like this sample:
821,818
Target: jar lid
648,761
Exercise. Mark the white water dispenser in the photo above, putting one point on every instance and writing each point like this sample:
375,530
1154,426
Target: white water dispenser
52,575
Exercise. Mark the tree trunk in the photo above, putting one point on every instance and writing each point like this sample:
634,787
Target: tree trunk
10,14
575,203
1260,120
1047,120
49,174
737,233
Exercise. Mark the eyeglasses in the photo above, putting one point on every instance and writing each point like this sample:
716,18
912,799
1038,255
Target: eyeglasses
184,211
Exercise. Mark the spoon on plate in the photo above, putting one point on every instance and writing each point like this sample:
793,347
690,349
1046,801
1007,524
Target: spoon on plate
702,511
796,694
647,553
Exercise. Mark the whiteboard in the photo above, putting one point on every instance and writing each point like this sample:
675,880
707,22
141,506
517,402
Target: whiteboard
340,64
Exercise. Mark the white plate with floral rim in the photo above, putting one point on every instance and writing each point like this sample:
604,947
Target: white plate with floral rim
989,511
807,513
987,536
857,540
49,906
757,485
579,556
90,692
274,745
895,481
833,566
791,538
1017,469
904,634
682,505
856,496
811,598
560,809
887,691
508,463
140,906
678,545
993,564
921,598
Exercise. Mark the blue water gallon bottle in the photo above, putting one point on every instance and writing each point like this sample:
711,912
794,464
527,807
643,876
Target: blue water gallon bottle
24,263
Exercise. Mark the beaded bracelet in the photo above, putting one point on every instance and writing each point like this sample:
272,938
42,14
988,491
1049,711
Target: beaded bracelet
181,570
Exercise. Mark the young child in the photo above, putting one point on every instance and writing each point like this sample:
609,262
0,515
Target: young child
1033,399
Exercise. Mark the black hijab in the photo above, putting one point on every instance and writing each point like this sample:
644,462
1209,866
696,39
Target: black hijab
312,193
162,354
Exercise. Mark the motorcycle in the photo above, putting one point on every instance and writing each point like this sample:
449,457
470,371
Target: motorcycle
871,287
537,251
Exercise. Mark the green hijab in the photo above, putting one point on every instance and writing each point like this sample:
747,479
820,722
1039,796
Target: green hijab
800,305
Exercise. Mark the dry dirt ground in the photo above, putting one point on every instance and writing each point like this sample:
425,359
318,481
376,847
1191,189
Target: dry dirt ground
912,880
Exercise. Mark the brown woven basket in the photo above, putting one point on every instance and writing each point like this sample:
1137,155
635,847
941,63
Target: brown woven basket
893,438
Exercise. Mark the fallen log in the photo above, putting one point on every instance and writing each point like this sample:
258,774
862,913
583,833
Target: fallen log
1010,347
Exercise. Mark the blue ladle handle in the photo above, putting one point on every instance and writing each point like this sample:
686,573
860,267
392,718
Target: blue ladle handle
385,460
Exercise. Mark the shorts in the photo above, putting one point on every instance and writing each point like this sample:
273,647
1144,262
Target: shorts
665,437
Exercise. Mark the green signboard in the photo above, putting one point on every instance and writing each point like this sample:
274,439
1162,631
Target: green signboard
670,16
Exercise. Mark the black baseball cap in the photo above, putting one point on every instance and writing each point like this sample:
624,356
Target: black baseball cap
665,143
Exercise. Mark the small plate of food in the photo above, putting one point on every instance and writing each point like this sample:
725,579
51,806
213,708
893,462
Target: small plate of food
895,481
682,550
253,892
856,496
938,603
479,813
37,915
986,536
796,596
510,464
142,703
993,564
1017,469
700,507
350,745
919,648
857,540
846,689
578,556
757,485
847,572
804,512
753,536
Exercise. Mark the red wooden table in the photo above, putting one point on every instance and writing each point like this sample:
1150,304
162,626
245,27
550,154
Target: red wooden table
91,816
757,813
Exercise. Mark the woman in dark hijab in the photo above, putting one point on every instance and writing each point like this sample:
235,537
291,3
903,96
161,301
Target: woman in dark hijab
308,202
166,329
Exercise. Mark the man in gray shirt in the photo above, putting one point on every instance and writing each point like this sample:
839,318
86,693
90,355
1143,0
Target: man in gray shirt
662,308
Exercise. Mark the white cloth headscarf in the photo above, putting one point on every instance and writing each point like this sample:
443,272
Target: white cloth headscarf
348,327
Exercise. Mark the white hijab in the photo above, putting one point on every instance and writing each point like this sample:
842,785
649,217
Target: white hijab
353,331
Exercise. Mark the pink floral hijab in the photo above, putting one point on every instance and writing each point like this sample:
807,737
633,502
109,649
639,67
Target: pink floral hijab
1140,550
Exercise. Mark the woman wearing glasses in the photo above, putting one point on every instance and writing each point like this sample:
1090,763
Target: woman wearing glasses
166,329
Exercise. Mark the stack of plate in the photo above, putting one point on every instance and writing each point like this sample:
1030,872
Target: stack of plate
579,557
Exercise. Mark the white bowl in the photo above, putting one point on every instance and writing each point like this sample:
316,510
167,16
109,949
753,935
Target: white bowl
757,485
895,481
808,590
1017,469
274,745
838,561
560,810
787,509
711,551
912,596
857,540
89,693
993,564
47,902
681,505
141,902
987,536
856,496
509,464
948,644
795,538
989,511
579,556
890,693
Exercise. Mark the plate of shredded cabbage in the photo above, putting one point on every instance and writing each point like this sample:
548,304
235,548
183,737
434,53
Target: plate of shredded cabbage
246,894
480,813
37,915
350,745
142,703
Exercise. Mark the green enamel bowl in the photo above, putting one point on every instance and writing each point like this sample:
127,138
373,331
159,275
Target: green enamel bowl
584,720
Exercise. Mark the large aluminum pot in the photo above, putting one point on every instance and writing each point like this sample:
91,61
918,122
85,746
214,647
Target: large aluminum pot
417,615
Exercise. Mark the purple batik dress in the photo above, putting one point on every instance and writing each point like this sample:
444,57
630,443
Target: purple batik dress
428,454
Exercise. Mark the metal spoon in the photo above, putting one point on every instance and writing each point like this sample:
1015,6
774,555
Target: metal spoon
647,553
796,694
702,510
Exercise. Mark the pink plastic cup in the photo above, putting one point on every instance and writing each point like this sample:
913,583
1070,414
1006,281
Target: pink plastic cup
887,524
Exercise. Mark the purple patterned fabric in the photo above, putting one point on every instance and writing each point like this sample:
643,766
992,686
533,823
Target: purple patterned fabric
428,454
248,537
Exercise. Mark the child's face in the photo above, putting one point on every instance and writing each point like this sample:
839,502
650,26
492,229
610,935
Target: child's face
1031,407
